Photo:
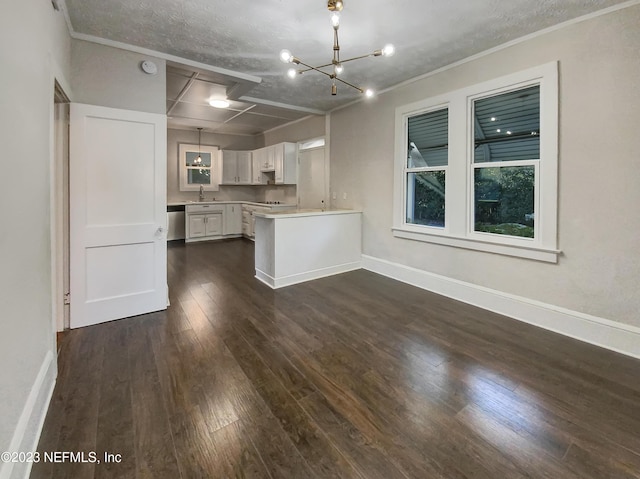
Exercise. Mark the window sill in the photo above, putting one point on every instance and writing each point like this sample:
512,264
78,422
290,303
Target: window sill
534,253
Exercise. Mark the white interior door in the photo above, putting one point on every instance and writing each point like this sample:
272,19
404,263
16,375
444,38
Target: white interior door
118,214
311,179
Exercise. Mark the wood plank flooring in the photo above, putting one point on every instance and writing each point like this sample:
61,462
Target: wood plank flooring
352,376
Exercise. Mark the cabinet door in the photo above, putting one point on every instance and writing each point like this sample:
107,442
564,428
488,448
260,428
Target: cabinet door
257,169
271,156
278,163
213,225
244,167
233,219
196,226
229,167
260,158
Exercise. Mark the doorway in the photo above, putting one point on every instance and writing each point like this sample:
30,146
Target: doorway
60,202
312,177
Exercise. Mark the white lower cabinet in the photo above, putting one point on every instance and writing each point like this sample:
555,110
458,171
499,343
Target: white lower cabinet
249,220
233,219
205,226
218,221
204,222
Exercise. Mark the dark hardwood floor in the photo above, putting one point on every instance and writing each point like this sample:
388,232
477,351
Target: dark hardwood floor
354,375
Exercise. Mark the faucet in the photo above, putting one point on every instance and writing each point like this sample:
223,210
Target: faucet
201,197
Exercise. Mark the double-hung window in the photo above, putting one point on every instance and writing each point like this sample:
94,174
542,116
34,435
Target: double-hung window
477,168
426,167
506,159
199,166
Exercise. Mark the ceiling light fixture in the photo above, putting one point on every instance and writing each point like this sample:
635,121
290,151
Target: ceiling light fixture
219,103
334,6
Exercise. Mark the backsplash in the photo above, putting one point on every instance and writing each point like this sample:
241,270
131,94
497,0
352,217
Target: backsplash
259,194
273,194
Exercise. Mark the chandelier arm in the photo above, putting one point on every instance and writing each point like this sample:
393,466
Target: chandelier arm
320,66
358,58
317,69
349,84
341,61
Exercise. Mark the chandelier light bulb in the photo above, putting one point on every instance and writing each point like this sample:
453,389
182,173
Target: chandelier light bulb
292,73
335,19
388,50
286,56
339,68
369,93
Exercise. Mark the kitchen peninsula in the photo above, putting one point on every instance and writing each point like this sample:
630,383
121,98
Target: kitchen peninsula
294,246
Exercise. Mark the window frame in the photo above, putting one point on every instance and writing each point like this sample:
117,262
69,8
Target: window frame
420,169
215,168
459,230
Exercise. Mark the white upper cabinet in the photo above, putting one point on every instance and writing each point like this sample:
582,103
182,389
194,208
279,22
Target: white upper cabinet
264,158
285,163
258,178
275,164
236,167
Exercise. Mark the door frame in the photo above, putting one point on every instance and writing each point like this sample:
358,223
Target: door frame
325,147
59,203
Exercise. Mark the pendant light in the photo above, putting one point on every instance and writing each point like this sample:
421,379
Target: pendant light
198,161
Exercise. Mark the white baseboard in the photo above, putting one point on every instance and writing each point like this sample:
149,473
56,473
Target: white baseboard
283,281
601,332
27,432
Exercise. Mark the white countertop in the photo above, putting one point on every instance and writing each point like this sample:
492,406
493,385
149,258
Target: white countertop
296,213
225,202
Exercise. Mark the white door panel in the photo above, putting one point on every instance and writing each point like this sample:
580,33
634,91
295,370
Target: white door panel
311,179
118,214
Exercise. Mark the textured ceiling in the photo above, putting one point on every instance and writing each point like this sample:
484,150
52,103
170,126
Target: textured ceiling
247,35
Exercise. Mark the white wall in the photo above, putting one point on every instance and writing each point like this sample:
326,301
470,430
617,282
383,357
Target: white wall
31,55
107,76
305,129
599,228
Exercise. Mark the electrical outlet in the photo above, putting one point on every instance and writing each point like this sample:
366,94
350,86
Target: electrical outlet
335,195
344,196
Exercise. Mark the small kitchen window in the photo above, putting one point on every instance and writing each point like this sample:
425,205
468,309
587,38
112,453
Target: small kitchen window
199,165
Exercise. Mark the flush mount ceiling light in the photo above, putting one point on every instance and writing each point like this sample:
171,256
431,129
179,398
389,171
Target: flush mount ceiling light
219,103
336,66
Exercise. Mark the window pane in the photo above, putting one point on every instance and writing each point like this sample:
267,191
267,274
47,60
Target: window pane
428,139
507,126
504,200
192,158
199,176
425,198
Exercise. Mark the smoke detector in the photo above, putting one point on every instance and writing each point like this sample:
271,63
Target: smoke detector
149,67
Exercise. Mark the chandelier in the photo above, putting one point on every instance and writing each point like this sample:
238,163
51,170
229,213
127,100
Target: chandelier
335,68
